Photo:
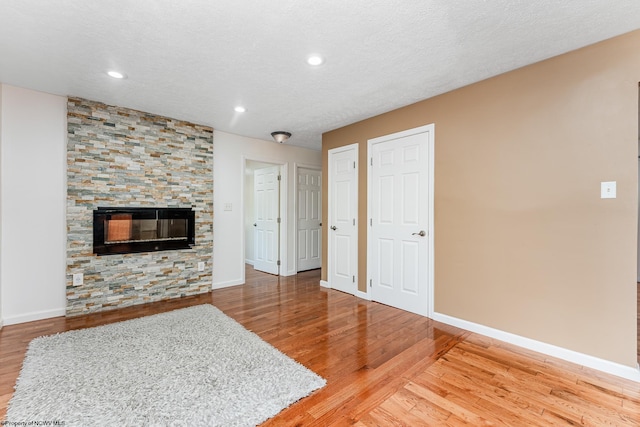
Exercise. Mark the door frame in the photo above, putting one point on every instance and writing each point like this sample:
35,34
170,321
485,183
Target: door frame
297,166
355,146
284,167
430,128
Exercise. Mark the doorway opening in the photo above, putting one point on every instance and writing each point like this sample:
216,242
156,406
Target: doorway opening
342,202
400,196
308,218
265,230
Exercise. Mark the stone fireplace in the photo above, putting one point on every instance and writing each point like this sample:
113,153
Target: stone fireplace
137,170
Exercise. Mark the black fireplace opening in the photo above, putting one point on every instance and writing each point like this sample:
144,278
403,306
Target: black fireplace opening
131,230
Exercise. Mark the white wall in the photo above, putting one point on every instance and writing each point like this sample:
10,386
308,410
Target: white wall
33,201
32,204
230,154
1,318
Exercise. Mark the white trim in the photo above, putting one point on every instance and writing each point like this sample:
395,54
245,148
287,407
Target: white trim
603,365
325,284
228,283
430,129
284,230
284,223
36,315
248,261
432,229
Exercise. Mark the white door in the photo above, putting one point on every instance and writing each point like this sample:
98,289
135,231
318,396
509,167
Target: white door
309,219
266,226
343,212
399,219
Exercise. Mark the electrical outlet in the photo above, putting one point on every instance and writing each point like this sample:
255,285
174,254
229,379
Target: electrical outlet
228,206
201,266
78,279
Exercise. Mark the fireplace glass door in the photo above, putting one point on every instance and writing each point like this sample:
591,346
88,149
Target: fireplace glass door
126,230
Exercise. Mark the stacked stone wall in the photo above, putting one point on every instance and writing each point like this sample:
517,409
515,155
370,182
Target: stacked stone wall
118,157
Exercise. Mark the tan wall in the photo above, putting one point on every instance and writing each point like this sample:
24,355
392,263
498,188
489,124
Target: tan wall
523,242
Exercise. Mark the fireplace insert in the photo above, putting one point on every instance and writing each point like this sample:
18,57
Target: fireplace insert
130,230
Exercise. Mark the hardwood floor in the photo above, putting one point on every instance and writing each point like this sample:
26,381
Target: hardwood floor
384,367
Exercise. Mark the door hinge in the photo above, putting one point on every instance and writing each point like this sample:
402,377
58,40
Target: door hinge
278,263
370,283
354,279
279,177
278,220
371,161
354,221
354,165
370,222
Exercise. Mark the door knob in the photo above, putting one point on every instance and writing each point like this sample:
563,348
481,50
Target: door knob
333,227
421,233
255,225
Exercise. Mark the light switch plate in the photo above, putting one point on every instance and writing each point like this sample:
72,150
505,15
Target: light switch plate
201,266
608,190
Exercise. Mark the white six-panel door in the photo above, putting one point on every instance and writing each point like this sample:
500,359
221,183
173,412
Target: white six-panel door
343,212
399,195
266,230
309,219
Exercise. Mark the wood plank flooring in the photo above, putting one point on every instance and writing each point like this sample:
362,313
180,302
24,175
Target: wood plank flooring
384,367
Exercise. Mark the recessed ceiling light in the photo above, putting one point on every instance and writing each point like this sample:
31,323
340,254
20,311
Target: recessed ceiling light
116,74
240,109
315,60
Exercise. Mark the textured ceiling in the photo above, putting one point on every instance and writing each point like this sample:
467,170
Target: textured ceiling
196,60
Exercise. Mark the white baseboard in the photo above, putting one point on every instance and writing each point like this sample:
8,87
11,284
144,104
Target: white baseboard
36,315
289,273
544,348
363,295
359,294
226,284
248,261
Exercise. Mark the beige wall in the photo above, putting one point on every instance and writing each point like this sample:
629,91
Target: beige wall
523,242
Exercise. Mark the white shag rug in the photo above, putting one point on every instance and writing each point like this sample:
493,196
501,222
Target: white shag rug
189,367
